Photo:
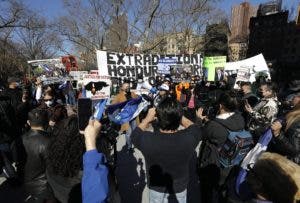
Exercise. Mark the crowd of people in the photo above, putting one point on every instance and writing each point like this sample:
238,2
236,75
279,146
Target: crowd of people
44,155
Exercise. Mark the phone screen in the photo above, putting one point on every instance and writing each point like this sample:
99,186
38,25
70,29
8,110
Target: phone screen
85,110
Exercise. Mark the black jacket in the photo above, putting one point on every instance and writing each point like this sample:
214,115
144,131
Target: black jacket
20,108
251,98
214,136
32,162
15,96
65,189
288,143
8,131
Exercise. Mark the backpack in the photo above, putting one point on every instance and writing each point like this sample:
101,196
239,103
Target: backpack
235,148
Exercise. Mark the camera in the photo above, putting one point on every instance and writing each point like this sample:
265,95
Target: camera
107,141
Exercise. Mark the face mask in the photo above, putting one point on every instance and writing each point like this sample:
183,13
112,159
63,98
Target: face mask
49,103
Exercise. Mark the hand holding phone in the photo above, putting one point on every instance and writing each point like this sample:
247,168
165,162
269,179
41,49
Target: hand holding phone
247,106
90,134
85,111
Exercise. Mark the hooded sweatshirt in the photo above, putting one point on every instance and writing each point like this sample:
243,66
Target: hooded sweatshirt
215,134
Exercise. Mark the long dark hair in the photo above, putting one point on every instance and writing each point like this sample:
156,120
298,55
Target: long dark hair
66,149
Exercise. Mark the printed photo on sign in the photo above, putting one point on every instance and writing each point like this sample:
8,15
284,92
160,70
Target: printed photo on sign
214,66
96,86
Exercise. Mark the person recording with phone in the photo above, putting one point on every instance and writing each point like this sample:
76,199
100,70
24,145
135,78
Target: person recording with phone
286,136
167,151
263,113
95,173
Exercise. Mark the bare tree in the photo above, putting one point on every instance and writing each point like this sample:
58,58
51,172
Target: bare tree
14,14
89,25
38,42
23,35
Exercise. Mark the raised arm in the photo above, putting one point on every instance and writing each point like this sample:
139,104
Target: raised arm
149,118
94,180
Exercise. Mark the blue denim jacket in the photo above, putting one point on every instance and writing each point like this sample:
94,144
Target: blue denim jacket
94,180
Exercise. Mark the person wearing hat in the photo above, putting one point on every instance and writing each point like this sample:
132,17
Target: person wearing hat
163,92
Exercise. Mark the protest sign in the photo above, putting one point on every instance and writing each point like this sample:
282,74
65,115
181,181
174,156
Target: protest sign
243,74
164,65
97,86
53,80
255,65
211,64
144,65
78,75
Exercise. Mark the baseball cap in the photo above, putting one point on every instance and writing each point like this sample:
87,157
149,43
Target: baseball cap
164,87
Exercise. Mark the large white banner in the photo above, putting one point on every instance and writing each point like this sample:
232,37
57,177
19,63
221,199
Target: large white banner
255,65
136,66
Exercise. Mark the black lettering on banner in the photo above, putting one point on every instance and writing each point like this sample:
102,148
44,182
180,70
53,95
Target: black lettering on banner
110,58
130,71
147,59
155,59
196,70
138,59
147,71
154,70
121,71
194,59
186,59
139,71
178,59
121,59
129,58
112,69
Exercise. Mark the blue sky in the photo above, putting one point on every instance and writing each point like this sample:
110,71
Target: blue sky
286,4
54,8
48,8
